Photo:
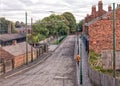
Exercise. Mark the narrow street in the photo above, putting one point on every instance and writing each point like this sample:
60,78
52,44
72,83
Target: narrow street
58,70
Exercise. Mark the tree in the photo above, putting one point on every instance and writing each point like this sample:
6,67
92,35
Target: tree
4,26
71,19
80,26
55,24
19,24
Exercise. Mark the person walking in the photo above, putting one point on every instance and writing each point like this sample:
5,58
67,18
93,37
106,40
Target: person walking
78,59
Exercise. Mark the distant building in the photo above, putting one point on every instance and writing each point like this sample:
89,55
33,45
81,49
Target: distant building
23,30
99,28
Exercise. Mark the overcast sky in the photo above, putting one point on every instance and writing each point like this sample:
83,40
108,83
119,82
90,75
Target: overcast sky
37,9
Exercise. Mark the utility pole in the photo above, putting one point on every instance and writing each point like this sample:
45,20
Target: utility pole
26,38
31,43
31,24
114,41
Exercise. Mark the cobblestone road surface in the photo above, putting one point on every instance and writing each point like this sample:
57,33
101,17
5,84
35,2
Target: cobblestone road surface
57,70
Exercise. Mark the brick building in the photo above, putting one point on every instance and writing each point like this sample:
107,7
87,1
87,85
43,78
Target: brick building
99,28
17,52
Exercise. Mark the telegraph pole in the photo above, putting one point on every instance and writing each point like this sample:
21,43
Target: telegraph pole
31,43
114,41
26,38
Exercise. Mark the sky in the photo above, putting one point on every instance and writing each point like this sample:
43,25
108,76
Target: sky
14,10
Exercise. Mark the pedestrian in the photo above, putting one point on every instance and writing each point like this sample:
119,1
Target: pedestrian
78,59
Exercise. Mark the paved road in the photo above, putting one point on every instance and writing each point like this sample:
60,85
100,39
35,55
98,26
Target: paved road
57,70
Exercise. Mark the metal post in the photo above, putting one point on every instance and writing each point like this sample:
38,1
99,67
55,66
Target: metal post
57,36
80,53
26,38
0,32
114,41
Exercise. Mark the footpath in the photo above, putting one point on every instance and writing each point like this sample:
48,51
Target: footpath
85,78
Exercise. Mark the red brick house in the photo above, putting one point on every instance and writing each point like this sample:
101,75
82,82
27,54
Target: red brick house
17,52
99,28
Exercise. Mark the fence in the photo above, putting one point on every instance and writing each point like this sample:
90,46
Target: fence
100,79
6,66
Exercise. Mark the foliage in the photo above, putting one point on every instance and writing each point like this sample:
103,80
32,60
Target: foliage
19,24
4,26
72,22
80,26
60,40
94,59
54,25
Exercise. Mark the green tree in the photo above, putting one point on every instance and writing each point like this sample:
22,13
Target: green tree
72,22
39,33
80,26
55,24
4,26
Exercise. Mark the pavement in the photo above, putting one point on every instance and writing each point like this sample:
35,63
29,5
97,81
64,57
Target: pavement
85,78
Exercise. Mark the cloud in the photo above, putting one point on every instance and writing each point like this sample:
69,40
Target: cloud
27,2
38,9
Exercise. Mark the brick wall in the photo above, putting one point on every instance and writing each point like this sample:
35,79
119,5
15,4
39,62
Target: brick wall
101,33
21,59
5,54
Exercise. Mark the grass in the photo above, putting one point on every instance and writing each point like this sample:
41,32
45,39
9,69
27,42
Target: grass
59,41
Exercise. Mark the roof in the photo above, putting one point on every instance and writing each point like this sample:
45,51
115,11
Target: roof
98,18
8,37
18,49
4,54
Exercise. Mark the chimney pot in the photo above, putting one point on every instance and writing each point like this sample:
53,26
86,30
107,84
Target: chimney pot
14,42
109,8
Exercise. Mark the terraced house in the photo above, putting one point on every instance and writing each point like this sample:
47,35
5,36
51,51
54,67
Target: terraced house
99,28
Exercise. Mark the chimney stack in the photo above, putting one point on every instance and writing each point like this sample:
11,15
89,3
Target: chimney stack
109,8
14,42
9,27
100,8
94,11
